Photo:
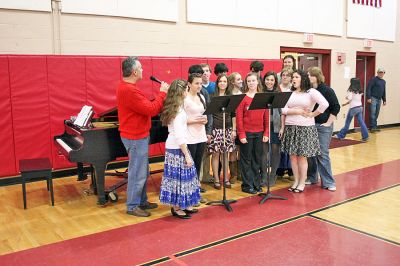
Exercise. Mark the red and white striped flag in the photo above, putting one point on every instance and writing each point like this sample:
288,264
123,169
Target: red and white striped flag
374,3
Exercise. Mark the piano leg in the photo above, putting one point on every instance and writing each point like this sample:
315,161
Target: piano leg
93,185
81,172
99,170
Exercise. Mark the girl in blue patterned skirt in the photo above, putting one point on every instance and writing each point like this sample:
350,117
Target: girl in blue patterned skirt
179,186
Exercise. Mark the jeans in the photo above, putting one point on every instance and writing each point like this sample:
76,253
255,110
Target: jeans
138,171
321,163
357,112
375,107
250,160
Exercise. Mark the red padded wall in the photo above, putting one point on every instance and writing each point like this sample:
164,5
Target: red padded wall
37,93
271,64
30,106
7,155
167,69
186,62
277,65
67,95
242,66
102,77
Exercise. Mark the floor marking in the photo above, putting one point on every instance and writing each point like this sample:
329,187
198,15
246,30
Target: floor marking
269,226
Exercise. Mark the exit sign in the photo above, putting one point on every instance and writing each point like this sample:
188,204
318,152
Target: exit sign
368,43
308,38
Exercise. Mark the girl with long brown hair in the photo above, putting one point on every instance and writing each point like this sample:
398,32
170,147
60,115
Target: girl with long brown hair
218,145
179,186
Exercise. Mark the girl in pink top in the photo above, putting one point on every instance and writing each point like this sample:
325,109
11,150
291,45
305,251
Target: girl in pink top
195,106
300,139
252,128
354,98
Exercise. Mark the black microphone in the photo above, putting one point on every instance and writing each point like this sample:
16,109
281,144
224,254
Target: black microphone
155,79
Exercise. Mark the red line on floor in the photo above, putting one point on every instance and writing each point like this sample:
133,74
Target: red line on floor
178,261
305,241
159,238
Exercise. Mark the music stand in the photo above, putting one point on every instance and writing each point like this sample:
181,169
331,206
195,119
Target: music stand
224,104
269,100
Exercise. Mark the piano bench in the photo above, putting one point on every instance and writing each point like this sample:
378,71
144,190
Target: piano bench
36,170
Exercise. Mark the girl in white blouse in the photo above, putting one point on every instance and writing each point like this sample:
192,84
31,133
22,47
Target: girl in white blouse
179,186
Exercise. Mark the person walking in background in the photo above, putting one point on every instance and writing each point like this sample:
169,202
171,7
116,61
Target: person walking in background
324,123
253,130
353,98
300,137
134,116
180,184
376,94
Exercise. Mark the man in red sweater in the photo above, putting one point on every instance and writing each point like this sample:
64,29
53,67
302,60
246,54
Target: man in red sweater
134,115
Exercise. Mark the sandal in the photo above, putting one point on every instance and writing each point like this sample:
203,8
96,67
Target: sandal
227,184
217,185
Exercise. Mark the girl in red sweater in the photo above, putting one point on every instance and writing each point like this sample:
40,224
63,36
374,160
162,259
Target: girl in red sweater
252,127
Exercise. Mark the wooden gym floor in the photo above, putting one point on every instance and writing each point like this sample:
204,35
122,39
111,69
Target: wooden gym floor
361,221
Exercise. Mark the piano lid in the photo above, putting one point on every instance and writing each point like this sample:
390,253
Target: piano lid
112,115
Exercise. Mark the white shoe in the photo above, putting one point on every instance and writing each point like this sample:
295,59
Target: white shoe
332,188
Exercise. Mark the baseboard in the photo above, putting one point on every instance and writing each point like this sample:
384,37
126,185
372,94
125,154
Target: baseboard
14,180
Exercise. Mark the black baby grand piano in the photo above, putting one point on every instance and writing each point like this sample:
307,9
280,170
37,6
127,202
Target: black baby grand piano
99,144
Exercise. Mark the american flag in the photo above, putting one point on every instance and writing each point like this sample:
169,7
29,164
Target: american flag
374,3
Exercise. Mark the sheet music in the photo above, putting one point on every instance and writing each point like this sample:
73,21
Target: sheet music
84,116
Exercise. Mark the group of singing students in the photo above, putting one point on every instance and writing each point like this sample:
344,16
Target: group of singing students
301,131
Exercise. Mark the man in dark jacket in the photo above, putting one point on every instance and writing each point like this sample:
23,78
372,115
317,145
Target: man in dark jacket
376,93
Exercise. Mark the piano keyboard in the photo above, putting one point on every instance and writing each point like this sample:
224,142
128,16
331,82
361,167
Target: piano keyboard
64,145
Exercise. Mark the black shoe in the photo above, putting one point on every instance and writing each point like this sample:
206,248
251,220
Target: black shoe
148,206
298,190
249,190
180,216
191,211
202,190
258,189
